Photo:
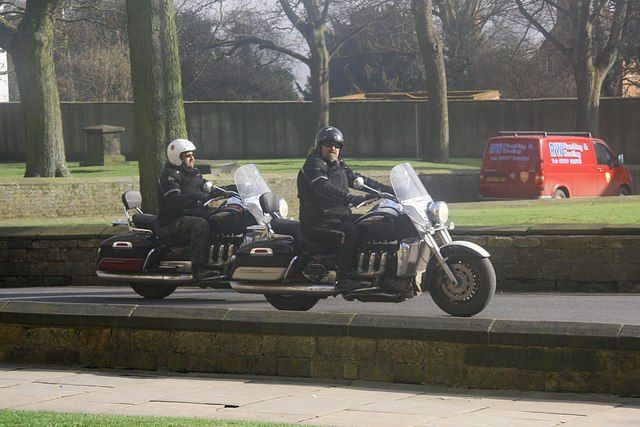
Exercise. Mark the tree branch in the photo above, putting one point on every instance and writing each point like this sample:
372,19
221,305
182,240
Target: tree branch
618,26
263,44
547,35
298,23
358,30
7,34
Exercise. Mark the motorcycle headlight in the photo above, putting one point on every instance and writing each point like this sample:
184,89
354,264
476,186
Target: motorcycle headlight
438,212
283,208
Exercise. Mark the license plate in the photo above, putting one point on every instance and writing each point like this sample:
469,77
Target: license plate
495,178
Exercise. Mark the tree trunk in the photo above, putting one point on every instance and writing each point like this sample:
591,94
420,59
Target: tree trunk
319,71
436,143
589,84
32,54
157,89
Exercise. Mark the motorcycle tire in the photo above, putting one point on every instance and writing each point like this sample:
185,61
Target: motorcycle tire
292,302
153,291
477,285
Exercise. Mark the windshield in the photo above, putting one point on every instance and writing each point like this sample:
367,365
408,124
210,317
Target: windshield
411,194
251,186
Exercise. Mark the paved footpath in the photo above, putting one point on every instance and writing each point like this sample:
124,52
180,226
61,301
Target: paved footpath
303,401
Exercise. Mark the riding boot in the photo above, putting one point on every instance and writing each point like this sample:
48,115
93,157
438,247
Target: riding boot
202,272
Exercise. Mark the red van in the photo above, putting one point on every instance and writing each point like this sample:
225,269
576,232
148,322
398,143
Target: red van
551,164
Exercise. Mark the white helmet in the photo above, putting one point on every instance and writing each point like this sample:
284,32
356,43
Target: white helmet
177,147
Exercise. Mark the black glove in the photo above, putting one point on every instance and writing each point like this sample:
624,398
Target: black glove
204,198
357,200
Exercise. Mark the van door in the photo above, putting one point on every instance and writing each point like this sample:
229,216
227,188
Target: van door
604,170
522,169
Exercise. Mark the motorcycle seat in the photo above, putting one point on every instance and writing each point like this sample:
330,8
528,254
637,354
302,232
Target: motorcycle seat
284,226
311,246
145,221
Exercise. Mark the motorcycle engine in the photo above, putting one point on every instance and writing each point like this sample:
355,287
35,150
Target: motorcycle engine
318,273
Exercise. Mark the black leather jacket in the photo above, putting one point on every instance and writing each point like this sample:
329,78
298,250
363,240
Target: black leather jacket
323,189
179,190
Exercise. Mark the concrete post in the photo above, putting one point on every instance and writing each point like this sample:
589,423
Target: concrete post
103,145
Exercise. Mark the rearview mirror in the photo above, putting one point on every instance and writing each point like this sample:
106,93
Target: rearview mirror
619,160
358,183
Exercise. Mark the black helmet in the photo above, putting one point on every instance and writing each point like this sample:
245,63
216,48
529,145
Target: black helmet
329,134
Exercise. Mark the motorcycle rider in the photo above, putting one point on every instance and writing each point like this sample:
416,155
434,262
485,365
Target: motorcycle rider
323,189
182,194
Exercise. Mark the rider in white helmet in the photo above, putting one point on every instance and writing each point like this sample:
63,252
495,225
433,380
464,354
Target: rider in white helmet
182,193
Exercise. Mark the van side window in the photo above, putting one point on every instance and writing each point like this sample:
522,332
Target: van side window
603,154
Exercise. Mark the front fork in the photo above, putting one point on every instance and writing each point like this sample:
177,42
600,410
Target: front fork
443,233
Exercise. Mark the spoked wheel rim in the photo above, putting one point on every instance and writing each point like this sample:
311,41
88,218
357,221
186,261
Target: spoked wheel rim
468,282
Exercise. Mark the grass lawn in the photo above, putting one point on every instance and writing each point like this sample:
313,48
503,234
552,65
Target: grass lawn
603,210
48,419
16,170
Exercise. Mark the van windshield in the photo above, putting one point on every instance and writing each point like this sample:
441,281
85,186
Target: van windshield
511,155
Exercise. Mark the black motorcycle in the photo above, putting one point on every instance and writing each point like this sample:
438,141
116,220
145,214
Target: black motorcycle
406,249
155,266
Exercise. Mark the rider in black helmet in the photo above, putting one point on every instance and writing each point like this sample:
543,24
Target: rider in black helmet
323,190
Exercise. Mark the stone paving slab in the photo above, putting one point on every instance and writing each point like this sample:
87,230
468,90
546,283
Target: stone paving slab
371,419
305,401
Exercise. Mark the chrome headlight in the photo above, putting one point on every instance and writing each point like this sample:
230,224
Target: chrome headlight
283,208
438,212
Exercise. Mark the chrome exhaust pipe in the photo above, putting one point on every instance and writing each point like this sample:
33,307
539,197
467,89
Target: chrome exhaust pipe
145,278
280,289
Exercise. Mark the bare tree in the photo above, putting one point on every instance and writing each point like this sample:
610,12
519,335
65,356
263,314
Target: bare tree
157,91
463,23
30,45
309,18
592,53
436,142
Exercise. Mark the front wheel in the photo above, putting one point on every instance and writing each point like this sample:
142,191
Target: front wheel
476,286
153,290
292,302
624,191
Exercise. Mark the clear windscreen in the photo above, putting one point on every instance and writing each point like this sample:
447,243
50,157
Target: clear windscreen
249,182
251,185
411,194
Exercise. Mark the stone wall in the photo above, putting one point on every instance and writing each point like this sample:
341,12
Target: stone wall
62,197
232,130
525,259
477,353
77,197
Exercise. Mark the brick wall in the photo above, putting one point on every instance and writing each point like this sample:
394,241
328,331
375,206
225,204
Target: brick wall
536,259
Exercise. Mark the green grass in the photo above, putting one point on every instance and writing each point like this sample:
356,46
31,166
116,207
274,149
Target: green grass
51,419
604,210
16,170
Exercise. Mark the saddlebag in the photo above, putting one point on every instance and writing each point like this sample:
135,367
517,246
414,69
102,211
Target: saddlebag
264,260
126,252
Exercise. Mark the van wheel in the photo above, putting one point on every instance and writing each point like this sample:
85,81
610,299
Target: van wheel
559,194
624,191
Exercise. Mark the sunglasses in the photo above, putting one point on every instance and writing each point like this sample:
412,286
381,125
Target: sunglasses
184,155
332,145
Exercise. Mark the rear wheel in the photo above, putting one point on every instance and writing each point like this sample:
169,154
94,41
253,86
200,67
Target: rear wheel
475,288
153,290
559,194
292,302
624,191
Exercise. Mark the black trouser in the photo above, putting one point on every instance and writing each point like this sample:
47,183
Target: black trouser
194,228
342,233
